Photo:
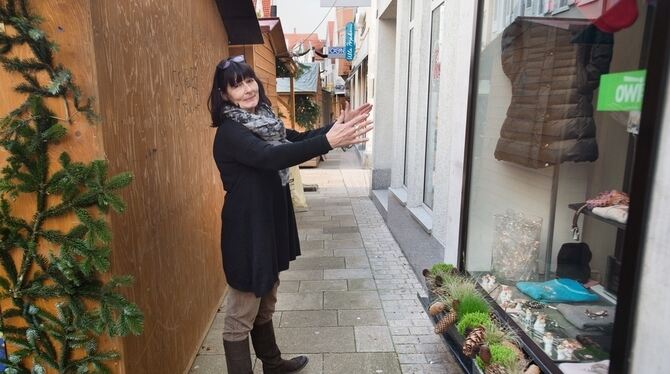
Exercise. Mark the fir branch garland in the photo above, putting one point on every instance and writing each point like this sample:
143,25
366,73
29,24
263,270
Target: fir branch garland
69,278
306,111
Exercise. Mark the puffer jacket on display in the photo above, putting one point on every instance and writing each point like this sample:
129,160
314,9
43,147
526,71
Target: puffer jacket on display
554,67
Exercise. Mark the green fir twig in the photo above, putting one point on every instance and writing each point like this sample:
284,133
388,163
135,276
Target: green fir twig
68,278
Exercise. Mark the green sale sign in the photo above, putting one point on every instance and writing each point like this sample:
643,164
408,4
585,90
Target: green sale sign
621,92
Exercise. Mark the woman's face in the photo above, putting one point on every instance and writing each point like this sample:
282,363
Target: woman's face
244,94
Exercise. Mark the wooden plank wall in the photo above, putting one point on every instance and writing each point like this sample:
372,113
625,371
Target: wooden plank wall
266,68
66,22
155,63
284,108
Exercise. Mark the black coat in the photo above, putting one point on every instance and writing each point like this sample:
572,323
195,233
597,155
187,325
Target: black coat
553,72
259,236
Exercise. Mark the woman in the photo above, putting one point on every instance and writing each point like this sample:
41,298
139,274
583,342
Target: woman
259,238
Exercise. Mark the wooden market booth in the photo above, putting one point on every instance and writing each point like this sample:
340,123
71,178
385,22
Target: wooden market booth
263,57
150,67
308,84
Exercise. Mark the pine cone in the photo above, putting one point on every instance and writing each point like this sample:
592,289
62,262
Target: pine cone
474,340
436,308
485,354
495,369
446,322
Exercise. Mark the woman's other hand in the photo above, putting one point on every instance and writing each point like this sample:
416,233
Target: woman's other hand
344,134
348,114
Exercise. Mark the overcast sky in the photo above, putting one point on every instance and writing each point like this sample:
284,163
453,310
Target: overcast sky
303,15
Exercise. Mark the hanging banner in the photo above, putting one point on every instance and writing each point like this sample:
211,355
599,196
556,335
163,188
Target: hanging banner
349,41
621,92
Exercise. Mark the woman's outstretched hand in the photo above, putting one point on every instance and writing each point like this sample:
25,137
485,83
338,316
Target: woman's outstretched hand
344,134
348,114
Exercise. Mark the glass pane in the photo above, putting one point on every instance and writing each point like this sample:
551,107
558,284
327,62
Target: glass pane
407,111
433,100
550,135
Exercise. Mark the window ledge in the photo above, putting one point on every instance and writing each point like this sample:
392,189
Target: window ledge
400,194
383,197
423,217
560,10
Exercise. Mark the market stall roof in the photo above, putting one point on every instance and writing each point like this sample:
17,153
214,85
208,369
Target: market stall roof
273,27
239,18
307,82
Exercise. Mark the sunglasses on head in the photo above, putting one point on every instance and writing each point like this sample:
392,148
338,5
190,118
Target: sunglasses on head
225,64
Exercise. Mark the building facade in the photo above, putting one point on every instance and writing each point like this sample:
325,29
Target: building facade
502,128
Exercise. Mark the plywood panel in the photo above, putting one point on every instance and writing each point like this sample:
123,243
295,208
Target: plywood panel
67,23
155,63
264,66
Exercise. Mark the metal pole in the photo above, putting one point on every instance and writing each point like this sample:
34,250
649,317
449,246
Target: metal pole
292,108
552,219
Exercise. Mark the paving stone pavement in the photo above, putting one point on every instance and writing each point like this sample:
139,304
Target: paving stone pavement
349,302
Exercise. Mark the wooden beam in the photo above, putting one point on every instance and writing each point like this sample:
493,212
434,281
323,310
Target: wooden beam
292,107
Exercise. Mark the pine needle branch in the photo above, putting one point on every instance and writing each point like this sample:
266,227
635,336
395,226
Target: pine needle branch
69,277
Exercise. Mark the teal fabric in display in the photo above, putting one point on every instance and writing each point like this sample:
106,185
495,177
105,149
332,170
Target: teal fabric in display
557,291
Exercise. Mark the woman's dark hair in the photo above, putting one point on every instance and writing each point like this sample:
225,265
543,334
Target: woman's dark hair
233,73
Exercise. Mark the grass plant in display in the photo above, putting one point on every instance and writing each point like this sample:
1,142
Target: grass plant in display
459,287
442,269
472,303
503,356
473,320
498,334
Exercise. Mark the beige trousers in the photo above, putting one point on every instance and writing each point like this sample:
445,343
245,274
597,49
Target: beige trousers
243,310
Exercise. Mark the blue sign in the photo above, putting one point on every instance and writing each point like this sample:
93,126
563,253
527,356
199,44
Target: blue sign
349,41
335,52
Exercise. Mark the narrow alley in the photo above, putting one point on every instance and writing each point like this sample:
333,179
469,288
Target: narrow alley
477,187
350,301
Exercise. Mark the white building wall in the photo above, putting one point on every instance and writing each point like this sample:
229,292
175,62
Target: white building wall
382,71
456,51
400,95
418,91
362,77
457,33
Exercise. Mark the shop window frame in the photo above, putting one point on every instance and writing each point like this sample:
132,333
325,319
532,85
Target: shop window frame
658,60
411,30
435,5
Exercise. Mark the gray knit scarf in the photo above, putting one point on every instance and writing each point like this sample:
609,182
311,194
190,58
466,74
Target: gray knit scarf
263,123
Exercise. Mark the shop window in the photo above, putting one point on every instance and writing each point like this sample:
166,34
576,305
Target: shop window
553,143
433,102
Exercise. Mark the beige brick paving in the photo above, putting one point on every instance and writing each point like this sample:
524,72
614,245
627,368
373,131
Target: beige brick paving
349,301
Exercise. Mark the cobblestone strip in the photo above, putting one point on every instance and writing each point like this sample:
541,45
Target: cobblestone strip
419,349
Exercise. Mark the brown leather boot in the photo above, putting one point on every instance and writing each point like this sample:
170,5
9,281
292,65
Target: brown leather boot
265,345
238,357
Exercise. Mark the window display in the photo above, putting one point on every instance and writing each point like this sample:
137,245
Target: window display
553,144
433,100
